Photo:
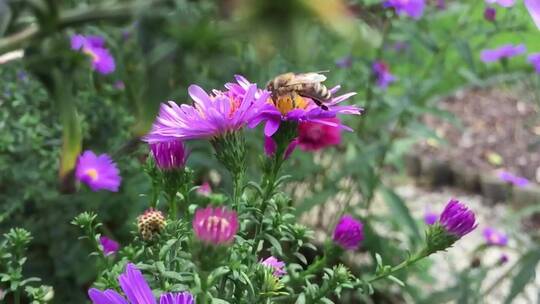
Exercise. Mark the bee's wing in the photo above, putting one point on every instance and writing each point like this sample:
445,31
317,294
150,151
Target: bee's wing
307,78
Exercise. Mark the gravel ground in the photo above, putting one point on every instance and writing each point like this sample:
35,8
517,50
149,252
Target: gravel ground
459,257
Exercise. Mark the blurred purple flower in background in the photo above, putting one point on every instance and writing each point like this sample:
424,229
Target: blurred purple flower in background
215,225
98,172
108,245
494,237
345,62
533,6
94,46
534,59
490,14
382,73
503,259
210,115
457,219
276,265
503,3
270,147
412,8
169,155
504,51
137,291
119,85
430,217
204,189
515,180
349,233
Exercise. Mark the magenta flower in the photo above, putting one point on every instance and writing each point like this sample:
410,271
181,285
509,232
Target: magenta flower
490,14
348,233
411,8
211,115
314,136
430,217
515,180
204,189
169,155
276,265
534,59
533,6
98,172
94,46
494,237
382,73
503,3
215,225
504,51
137,291
108,245
302,109
457,219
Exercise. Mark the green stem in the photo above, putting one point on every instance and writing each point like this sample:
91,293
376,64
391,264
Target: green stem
204,286
238,183
422,254
17,296
173,208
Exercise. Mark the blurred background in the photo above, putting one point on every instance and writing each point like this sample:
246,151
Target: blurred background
447,125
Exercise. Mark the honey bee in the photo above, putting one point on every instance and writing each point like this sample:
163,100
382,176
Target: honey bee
305,84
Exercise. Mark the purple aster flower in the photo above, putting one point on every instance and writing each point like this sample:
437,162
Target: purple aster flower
137,291
412,8
210,116
98,172
382,73
534,59
348,233
276,265
490,14
204,189
457,219
169,155
494,237
441,4
533,6
504,51
303,109
515,180
215,225
503,3
108,245
430,217
94,46
345,62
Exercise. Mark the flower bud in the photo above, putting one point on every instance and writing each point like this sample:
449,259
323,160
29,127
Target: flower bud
215,226
276,265
348,233
169,155
150,223
108,245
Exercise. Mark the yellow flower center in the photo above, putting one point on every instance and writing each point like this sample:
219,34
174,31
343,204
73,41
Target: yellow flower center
92,173
214,221
92,55
289,102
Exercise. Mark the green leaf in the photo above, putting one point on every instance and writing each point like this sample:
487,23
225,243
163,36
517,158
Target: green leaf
401,213
219,301
275,243
301,299
525,274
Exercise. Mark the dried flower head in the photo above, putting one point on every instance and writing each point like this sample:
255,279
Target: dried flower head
150,223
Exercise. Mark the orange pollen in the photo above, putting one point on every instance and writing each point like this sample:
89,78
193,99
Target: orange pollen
289,102
92,173
235,104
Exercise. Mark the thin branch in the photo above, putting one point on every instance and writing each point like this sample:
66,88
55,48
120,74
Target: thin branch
73,18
